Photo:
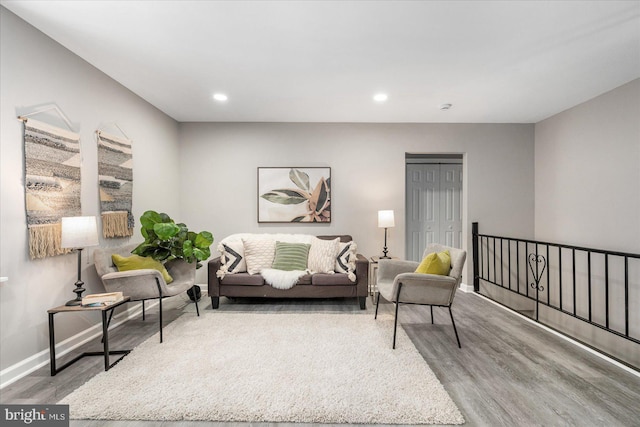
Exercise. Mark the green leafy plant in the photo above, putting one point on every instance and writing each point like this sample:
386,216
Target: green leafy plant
318,200
165,240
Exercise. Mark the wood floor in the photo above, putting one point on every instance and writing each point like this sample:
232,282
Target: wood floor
509,372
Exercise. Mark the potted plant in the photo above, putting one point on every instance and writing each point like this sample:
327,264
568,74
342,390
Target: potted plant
165,240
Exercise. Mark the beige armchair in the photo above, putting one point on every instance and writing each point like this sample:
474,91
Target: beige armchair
397,283
145,284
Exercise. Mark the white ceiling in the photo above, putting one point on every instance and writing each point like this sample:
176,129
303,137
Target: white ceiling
322,61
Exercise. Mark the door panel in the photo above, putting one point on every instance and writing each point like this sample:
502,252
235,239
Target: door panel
415,206
434,207
429,237
416,241
451,204
423,182
449,238
429,204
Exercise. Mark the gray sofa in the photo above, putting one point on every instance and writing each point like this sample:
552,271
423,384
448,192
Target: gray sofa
337,285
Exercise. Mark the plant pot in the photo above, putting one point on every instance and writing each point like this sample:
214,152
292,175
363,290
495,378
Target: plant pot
194,293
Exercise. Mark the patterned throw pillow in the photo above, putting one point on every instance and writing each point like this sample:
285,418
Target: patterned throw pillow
233,257
323,255
291,256
346,259
259,254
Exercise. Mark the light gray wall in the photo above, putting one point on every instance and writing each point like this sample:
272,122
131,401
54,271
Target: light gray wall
587,193
36,71
587,161
219,163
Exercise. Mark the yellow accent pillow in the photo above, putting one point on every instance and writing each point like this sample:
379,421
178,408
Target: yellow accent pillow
137,262
435,263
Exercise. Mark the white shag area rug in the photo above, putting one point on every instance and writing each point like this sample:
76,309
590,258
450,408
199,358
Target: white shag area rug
308,367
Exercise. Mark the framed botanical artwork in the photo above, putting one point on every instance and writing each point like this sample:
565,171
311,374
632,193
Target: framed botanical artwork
294,195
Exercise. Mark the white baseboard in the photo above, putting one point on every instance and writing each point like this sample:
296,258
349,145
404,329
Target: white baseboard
466,288
23,368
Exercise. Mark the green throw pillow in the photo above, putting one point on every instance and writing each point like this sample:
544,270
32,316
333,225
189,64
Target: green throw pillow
291,256
435,263
137,262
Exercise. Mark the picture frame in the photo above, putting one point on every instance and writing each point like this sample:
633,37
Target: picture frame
294,195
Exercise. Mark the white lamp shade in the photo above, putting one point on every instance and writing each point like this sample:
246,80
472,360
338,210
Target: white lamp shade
79,232
385,219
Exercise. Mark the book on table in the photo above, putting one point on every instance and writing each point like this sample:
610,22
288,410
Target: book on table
97,300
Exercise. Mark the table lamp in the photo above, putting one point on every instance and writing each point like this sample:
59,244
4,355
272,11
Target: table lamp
385,220
78,232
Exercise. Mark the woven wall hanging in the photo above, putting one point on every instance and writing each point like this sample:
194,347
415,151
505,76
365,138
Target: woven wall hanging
115,175
52,184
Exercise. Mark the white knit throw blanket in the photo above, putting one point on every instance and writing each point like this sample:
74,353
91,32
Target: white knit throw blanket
281,279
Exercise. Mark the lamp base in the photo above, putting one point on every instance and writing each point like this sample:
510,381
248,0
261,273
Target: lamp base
384,249
78,290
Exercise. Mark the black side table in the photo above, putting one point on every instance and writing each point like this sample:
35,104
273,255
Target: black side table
105,335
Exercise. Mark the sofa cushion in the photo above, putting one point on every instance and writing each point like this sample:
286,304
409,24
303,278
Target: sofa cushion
259,253
322,279
291,256
323,254
245,279
304,280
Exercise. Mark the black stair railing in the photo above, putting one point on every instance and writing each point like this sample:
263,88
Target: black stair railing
592,285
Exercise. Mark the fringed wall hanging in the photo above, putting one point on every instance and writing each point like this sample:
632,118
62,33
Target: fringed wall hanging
52,184
115,174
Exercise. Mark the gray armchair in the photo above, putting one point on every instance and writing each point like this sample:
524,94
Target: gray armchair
397,283
145,284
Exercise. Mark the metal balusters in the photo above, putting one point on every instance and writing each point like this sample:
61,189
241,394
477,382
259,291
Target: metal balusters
518,264
606,290
501,265
495,279
526,272
583,308
589,281
560,275
509,262
573,257
626,296
548,281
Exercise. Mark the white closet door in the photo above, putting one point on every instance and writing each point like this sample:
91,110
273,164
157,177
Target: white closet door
433,207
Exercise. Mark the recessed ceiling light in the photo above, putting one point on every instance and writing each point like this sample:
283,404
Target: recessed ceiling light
444,107
380,97
220,97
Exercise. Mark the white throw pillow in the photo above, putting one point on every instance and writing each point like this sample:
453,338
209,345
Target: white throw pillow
233,257
346,259
258,253
323,254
